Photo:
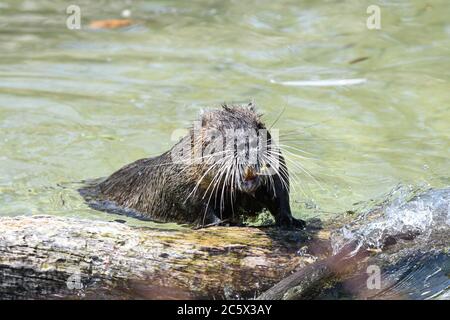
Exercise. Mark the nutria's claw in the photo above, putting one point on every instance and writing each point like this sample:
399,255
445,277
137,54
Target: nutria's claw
298,223
213,224
291,223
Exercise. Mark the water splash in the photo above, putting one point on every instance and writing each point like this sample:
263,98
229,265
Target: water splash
410,229
406,213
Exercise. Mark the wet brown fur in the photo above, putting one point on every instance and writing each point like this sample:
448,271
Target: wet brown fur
160,189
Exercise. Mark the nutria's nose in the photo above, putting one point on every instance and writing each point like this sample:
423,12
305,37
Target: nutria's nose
249,174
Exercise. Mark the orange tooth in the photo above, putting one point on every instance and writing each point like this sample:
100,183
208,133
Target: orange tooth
249,174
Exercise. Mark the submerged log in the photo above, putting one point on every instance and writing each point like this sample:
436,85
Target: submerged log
309,282
55,257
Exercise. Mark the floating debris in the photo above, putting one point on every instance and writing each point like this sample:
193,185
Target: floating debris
110,23
321,83
360,59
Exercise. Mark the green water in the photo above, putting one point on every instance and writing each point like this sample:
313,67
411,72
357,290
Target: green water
79,104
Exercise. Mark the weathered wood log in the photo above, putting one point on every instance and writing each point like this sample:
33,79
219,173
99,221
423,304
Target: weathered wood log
55,257
406,271
391,238
308,282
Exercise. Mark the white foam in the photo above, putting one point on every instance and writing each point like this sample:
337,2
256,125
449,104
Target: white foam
418,217
321,83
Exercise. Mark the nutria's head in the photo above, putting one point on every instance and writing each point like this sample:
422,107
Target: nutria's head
233,151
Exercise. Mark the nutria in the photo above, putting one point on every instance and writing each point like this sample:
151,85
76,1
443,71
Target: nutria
226,167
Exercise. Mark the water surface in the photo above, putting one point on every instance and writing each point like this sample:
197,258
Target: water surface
78,104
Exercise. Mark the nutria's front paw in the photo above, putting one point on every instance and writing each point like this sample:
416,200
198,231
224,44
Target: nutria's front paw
298,223
288,222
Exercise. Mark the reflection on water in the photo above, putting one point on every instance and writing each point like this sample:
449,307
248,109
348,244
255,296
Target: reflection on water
78,104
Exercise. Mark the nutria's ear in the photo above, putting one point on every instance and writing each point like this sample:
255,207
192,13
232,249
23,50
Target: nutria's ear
226,107
202,116
251,106
205,120
205,117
